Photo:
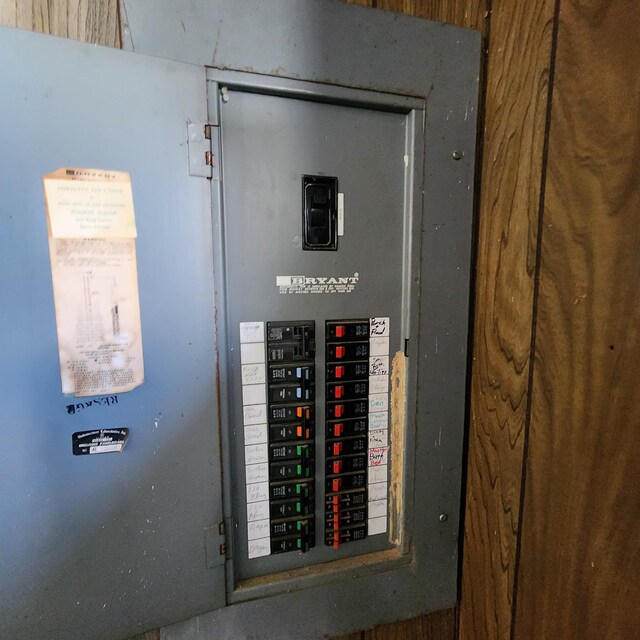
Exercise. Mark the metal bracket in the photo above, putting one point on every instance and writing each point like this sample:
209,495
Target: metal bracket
204,143
215,545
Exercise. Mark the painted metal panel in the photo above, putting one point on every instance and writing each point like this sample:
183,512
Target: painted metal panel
105,546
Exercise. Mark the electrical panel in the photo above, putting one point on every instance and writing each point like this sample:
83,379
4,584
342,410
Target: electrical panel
293,457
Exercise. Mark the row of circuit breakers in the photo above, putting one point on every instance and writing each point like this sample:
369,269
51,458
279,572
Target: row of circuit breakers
281,470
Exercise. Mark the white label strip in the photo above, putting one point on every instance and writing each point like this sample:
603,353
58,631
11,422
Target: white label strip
257,473
378,402
378,456
258,529
341,214
254,394
256,453
379,366
258,548
255,434
377,474
251,332
377,525
252,352
379,438
377,508
378,384
377,491
258,510
254,373
378,420
378,346
257,492
254,414
379,327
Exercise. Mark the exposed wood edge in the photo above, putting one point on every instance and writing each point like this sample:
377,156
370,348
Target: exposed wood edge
397,438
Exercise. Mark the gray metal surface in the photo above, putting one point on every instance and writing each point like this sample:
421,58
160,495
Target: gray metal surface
105,546
268,143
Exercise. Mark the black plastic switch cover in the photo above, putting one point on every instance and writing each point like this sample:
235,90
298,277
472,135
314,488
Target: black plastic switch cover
319,213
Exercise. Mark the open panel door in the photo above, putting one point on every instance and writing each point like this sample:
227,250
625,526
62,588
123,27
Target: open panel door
105,546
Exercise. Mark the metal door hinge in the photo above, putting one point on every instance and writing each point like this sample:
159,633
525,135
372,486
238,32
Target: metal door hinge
203,141
215,544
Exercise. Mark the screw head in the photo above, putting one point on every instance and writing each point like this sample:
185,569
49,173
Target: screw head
458,155
443,517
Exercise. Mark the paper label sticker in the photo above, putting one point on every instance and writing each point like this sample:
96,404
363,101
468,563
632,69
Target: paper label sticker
377,491
254,414
379,327
316,284
379,366
378,346
257,492
254,394
377,456
258,529
255,433
91,228
256,453
340,222
257,510
252,353
379,438
253,374
378,384
377,525
377,508
257,473
377,474
251,332
259,548
99,441
378,420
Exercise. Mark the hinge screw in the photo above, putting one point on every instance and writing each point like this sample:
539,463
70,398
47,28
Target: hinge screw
458,155
443,517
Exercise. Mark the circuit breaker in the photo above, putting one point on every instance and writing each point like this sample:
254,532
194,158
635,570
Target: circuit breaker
303,207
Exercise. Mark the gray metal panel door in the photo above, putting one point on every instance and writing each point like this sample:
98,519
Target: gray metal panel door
105,546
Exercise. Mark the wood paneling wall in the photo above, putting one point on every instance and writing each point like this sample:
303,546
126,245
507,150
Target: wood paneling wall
552,552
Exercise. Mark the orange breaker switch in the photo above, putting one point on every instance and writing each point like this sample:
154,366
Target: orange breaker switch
338,391
339,372
339,410
340,351
340,331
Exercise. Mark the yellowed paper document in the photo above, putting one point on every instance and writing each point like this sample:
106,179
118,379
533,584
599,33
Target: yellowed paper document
95,281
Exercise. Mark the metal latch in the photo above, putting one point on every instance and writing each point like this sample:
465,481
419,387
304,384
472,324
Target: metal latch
204,145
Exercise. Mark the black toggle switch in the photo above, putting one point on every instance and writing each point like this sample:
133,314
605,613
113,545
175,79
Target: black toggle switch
319,213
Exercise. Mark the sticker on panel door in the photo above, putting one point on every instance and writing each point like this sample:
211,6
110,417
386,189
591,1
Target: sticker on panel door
317,284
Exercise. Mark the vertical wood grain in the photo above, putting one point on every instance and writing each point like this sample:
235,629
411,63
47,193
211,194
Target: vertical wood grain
94,21
440,625
513,140
580,553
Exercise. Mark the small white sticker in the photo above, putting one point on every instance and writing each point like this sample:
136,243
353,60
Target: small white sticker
257,492
257,473
378,384
259,548
106,448
379,346
254,414
253,374
377,525
378,456
378,420
252,352
258,529
378,402
251,332
257,510
379,327
256,453
377,474
341,214
379,438
255,433
377,491
377,508
254,394
379,366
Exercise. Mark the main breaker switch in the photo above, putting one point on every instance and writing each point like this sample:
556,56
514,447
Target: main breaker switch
319,213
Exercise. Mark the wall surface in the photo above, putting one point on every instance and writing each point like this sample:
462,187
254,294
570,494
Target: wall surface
553,470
